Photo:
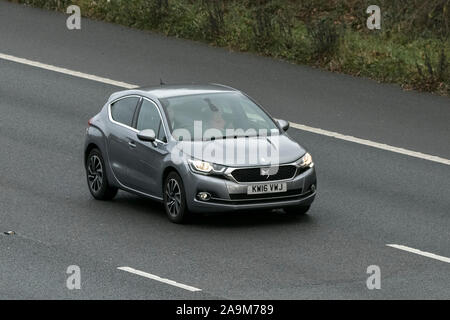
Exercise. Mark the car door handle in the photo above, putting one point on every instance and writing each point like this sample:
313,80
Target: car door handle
132,144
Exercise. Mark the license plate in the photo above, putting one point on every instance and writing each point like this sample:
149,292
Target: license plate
267,188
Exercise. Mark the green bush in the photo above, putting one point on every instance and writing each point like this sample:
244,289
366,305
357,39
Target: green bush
324,38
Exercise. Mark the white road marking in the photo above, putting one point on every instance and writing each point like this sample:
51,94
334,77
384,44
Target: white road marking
371,143
336,135
154,277
67,71
419,252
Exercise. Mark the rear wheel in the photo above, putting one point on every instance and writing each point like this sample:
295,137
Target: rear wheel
297,210
175,199
96,177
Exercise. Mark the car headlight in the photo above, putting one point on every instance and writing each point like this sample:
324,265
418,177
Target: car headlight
305,161
201,166
205,167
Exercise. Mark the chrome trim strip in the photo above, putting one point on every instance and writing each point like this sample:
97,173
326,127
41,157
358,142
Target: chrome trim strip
131,128
305,194
160,117
119,123
140,192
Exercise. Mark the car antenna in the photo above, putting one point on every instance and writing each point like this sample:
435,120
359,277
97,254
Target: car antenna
161,82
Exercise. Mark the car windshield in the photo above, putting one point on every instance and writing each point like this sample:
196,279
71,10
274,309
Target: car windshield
216,115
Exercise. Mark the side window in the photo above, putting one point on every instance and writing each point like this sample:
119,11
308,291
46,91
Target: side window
123,110
148,117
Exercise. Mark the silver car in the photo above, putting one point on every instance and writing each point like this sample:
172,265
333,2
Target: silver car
196,148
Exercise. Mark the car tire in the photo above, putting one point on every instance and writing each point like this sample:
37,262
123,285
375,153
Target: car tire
97,179
297,210
175,199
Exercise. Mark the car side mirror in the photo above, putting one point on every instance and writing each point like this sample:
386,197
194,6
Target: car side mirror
283,124
147,135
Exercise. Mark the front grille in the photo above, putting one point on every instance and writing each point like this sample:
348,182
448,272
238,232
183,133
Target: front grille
254,174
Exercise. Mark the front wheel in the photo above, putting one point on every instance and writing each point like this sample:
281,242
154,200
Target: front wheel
175,199
297,210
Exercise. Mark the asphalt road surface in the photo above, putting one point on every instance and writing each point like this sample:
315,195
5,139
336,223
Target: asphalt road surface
367,197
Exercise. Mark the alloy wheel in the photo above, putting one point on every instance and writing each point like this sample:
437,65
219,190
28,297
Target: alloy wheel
95,173
173,197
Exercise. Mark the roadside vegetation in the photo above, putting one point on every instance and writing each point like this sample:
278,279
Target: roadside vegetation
412,48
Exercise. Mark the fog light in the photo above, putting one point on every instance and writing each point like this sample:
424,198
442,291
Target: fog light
313,187
204,196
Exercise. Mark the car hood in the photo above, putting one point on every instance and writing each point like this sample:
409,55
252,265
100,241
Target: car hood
244,151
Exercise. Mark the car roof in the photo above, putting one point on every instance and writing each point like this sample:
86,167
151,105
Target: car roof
166,91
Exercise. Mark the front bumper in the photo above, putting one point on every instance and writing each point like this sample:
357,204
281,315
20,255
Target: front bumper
227,195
